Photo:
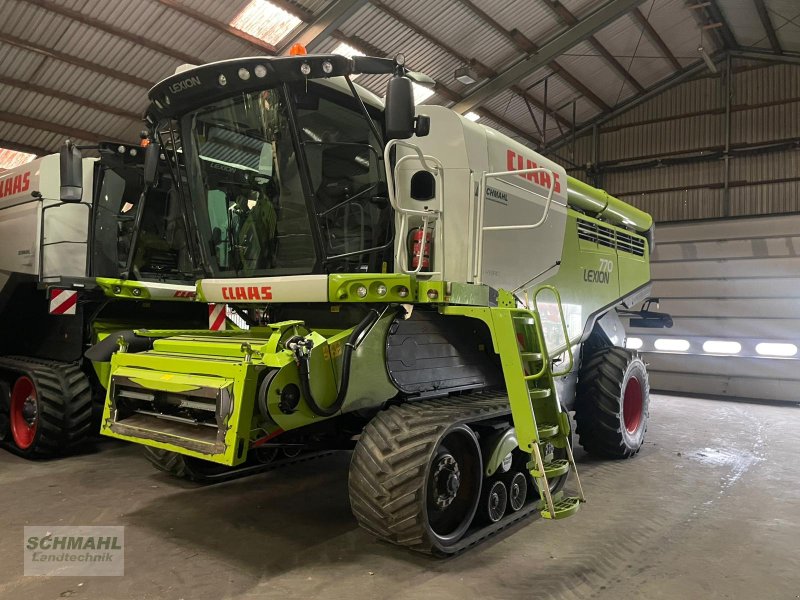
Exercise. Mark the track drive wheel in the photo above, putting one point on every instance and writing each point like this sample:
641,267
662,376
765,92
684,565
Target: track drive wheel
184,467
414,482
612,404
49,408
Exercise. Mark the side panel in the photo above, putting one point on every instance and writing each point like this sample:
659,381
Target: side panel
594,275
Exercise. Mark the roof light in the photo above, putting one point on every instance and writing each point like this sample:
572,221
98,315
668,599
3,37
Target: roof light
465,75
421,93
305,69
721,347
633,343
244,74
472,116
260,71
297,50
266,21
327,67
671,345
776,349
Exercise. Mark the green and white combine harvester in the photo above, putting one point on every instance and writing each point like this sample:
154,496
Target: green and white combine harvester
418,287
81,258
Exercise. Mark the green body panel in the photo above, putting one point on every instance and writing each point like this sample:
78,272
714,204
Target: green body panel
600,203
592,277
173,373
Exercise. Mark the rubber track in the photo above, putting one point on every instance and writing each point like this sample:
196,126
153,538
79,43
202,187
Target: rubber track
598,403
175,464
387,490
65,404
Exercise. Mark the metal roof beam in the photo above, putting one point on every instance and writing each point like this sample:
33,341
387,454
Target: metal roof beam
567,17
85,102
517,38
766,22
26,148
485,70
439,88
120,32
757,54
725,30
689,71
328,21
72,132
656,39
218,25
590,25
74,60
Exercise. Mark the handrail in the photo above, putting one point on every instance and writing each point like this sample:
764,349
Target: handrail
481,228
42,243
563,323
550,191
428,216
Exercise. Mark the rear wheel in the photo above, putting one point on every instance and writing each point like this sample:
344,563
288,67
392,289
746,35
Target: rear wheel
24,413
612,404
49,407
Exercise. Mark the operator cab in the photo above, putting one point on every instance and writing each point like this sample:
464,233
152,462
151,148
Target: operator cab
282,160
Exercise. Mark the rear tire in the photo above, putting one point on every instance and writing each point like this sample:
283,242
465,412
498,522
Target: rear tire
612,403
49,407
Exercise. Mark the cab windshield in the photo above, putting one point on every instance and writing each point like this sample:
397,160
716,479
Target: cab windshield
286,182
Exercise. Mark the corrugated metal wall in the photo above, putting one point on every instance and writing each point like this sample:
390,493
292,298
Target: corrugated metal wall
731,287
689,121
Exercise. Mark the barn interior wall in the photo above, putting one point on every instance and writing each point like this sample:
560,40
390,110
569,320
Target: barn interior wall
667,155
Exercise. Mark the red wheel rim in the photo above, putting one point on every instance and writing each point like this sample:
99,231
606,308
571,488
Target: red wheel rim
24,413
632,405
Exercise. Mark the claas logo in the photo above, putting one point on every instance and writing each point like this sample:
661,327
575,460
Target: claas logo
517,162
15,185
252,292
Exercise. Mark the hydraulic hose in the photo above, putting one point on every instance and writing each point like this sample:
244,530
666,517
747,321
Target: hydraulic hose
302,352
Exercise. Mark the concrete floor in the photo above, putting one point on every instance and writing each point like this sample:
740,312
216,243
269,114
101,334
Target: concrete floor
709,509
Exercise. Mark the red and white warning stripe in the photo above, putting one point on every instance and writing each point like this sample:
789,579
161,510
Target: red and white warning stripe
63,302
216,317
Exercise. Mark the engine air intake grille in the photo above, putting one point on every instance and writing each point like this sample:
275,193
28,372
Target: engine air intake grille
610,238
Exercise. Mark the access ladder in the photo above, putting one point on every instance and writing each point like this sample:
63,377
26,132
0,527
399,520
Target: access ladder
538,417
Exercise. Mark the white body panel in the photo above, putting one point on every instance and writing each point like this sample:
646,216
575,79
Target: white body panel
466,151
66,228
294,288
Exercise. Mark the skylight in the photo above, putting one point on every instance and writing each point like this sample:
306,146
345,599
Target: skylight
11,159
264,20
347,50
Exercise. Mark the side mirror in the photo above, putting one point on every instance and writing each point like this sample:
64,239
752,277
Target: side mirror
151,155
71,173
399,112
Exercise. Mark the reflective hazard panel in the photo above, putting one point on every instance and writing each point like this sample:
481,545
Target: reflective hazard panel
63,302
216,317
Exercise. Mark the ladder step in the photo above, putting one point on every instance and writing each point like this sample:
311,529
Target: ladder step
566,507
555,468
546,430
531,356
537,393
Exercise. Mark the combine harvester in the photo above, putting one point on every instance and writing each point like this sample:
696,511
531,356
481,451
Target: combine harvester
80,259
420,288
